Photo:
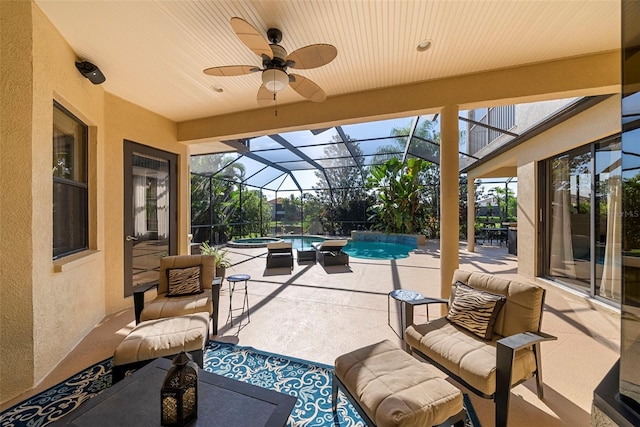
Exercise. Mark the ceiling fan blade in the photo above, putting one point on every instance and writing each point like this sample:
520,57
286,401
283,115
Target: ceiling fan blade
231,70
312,56
265,97
307,88
251,37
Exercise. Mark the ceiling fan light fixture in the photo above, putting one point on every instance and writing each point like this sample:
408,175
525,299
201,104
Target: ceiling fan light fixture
274,79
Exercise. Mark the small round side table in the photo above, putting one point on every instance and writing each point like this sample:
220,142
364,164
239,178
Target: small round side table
402,296
233,281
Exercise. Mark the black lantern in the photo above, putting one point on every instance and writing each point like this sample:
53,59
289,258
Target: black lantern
179,396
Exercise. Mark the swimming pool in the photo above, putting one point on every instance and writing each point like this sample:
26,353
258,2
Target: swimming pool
302,242
364,249
377,250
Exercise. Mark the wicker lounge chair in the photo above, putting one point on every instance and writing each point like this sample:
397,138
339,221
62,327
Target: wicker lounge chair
280,254
330,252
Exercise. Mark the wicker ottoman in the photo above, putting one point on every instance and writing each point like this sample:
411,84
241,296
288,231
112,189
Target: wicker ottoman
389,387
161,338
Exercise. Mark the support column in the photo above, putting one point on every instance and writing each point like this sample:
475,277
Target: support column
17,201
471,214
449,199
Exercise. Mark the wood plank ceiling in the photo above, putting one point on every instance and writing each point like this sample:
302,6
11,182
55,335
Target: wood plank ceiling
153,52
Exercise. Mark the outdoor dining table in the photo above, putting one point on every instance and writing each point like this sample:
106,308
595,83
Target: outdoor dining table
494,233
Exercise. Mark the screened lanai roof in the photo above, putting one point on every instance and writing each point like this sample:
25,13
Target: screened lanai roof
317,159
326,159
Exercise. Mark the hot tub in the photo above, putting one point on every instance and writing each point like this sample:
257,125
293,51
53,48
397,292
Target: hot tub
252,242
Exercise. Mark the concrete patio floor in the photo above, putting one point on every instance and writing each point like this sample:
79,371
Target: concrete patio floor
318,313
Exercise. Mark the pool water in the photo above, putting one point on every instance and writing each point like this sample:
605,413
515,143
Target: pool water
377,250
302,242
256,242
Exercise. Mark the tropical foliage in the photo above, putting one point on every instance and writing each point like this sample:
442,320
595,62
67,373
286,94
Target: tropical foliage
291,206
221,255
253,218
507,205
398,208
631,218
211,196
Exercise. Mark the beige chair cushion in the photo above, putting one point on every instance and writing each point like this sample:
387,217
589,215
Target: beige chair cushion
163,337
394,389
465,354
521,312
163,306
330,245
279,245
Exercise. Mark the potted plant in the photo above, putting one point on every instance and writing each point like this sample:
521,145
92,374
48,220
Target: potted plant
222,262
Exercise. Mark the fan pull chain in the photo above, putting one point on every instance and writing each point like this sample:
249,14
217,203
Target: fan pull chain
276,101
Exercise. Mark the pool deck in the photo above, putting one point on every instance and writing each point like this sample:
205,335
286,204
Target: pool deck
317,313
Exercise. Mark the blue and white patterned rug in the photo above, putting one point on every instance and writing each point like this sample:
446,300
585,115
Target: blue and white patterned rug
309,382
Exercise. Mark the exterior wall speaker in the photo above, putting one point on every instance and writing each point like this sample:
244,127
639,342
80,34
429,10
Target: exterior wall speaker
91,71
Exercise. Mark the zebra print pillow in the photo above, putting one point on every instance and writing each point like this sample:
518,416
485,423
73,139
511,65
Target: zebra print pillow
184,281
475,310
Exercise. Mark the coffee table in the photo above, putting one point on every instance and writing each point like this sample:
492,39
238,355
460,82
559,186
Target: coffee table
135,401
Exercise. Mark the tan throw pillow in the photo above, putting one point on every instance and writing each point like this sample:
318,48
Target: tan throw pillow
184,281
475,310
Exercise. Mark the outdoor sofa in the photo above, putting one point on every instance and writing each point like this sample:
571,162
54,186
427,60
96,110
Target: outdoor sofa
490,339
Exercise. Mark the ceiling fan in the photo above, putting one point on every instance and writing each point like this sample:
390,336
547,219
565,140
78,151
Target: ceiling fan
275,63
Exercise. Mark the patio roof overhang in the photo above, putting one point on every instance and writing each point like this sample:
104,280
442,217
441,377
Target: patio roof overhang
527,83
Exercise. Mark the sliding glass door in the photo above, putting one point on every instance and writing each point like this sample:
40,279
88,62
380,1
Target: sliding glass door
569,229
583,211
